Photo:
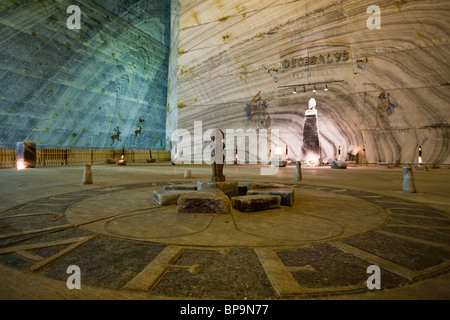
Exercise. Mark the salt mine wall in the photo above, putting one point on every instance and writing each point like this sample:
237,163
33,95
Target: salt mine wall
387,74
64,87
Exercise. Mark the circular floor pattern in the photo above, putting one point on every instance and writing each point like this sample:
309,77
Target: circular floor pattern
323,245
315,216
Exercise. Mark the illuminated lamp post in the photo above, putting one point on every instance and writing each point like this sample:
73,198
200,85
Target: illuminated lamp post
420,155
122,161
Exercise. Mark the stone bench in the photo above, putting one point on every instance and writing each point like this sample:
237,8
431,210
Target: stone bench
266,186
230,188
187,186
279,163
242,188
204,201
168,197
287,194
253,203
338,165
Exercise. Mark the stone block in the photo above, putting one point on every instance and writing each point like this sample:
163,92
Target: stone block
279,163
242,189
230,188
204,201
87,174
287,194
26,154
338,165
168,197
420,168
266,186
408,180
255,202
187,186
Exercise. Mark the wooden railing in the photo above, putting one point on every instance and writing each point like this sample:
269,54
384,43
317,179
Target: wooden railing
58,157
7,158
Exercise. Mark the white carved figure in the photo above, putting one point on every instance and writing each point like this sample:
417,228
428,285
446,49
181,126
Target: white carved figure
311,107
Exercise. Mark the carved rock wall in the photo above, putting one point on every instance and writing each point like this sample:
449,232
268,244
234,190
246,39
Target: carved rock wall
65,88
388,88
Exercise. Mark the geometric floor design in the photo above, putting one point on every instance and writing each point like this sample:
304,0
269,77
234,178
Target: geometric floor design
122,240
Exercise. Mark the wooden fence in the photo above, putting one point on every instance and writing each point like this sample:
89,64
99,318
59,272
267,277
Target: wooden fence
7,158
58,157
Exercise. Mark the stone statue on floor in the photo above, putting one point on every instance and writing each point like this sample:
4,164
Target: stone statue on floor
217,155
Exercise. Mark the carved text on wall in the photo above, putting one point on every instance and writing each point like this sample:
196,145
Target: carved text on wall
315,60
314,73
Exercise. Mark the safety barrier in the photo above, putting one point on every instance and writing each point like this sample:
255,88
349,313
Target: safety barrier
58,157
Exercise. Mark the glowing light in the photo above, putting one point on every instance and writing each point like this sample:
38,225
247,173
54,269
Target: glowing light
420,155
20,165
312,159
279,151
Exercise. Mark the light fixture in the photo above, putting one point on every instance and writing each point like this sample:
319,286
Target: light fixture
304,89
295,90
20,164
420,155
314,90
326,88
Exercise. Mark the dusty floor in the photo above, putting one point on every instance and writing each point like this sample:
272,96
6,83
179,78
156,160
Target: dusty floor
128,247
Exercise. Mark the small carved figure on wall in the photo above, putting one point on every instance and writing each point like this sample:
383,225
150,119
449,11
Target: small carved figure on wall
116,136
139,131
256,111
386,107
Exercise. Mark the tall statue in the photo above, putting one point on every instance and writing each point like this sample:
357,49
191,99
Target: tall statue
312,111
311,146
217,155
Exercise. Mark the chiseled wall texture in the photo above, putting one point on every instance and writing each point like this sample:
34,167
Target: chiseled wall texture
172,89
65,88
239,61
